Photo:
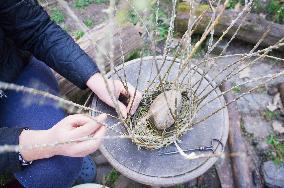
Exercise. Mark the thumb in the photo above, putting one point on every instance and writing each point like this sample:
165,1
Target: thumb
100,118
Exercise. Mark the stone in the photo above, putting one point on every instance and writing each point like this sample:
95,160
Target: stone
220,45
160,110
278,126
272,90
262,145
257,126
273,174
252,103
174,43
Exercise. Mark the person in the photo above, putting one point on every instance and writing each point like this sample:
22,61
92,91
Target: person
31,44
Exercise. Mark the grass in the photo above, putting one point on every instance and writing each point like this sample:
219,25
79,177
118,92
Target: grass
231,4
270,115
57,16
101,1
274,9
236,89
85,3
162,25
132,17
278,149
89,23
133,55
111,178
78,34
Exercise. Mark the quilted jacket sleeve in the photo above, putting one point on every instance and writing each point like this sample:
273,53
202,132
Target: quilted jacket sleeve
29,26
9,161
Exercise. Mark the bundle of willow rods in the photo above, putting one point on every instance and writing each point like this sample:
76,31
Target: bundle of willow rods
144,133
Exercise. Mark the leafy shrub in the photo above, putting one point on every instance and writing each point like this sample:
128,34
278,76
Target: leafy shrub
89,23
78,34
57,16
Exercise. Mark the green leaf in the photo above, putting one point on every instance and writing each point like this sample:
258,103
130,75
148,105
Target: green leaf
57,16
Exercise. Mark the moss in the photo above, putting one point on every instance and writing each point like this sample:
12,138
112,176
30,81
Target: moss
201,8
183,7
122,16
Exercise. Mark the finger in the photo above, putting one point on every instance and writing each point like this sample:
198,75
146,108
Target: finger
88,128
134,102
118,88
77,119
87,147
122,109
123,90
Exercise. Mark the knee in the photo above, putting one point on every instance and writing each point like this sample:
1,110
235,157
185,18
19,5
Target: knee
55,172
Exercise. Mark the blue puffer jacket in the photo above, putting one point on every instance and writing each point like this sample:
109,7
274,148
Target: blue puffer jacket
25,28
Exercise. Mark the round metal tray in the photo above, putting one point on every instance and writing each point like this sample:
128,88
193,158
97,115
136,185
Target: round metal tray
147,166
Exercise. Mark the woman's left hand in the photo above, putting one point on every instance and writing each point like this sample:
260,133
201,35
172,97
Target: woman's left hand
99,86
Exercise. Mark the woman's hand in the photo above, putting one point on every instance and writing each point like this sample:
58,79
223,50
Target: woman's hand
72,127
97,84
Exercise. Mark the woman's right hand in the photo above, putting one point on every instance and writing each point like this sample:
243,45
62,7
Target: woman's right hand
72,127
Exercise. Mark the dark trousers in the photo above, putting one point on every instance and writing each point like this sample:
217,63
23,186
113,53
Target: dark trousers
39,113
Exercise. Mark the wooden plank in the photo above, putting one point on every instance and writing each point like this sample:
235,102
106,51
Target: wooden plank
251,30
241,172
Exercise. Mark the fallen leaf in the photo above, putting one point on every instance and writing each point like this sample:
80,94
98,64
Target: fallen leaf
277,126
271,107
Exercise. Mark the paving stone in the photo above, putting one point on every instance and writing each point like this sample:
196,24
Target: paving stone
257,126
273,174
253,103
